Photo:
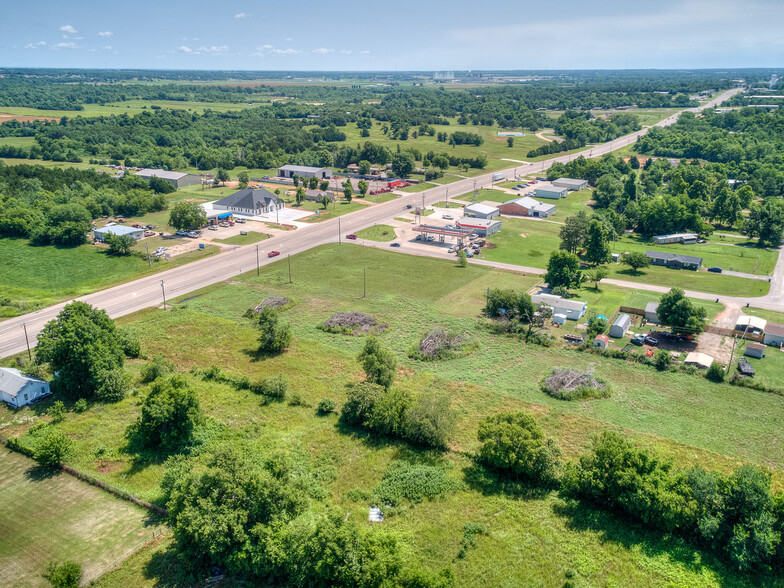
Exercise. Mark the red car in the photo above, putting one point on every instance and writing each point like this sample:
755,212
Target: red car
273,253
351,236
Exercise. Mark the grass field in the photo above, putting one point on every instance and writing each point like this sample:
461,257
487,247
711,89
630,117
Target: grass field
377,233
380,198
128,107
55,517
251,237
418,187
532,541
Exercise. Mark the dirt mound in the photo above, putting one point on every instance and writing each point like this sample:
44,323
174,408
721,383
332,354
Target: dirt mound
271,302
352,323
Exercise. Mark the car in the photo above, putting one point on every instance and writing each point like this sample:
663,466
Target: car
265,177
409,207
431,238
192,234
447,216
149,233
212,228
451,250
419,237
637,341
651,341
224,224
351,236
273,253
240,220
469,254
231,223
181,233
715,270
394,244
702,241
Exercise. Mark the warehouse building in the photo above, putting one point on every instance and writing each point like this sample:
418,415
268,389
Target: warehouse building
484,227
481,211
550,191
117,230
304,171
526,206
570,184
176,179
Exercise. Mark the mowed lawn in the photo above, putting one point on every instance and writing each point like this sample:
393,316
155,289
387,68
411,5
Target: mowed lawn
45,518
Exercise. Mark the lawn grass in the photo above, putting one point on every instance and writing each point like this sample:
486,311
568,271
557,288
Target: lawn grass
380,198
382,233
55,517
338,208
769,369
403,220
486,194
418,187
769,315
18,141
251,237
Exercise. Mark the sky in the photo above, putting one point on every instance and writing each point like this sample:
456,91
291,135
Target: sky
409,35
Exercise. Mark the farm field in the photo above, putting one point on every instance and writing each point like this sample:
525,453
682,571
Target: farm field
681,415
55,517
130,107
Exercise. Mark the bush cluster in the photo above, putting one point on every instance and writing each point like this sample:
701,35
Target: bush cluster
415,483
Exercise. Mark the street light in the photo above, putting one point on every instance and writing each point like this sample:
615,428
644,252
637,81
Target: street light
163,291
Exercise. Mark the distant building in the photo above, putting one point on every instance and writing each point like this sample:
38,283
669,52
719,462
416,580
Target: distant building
683,238
755,350
572,309
318,195
650,312
250,201
570,184
620,326
526,206
176,179
674,260
481,211
774,334
547,190
303,171
484,227
753,325
16,389
117,230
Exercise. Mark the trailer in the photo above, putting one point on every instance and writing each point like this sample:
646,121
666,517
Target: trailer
497,177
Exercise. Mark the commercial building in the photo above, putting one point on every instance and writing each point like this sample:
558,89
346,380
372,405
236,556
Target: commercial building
176,179
571,309
481,211
774,334
752,325
250,201
674,260
547,190
304,171
117,230
526,206
570,184
483,227
620,326
683,238
16,389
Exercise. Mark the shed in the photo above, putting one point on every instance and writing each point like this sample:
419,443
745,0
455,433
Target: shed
774,334
700,360
570,184
620,326
118,230
601,341
304,171
480,226
755,350
550,191
751,324
651,314
16,389
481,211
559,319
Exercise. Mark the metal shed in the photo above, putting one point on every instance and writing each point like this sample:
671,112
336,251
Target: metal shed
620,326
755,350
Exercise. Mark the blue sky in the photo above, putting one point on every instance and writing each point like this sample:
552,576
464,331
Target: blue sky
401,35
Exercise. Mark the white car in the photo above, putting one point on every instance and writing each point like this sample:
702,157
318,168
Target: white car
240,220
212,228
447,216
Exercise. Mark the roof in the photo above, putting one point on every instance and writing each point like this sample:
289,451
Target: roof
549,187
249,199
678,236
161,173
12,381
652,307
699,358
481,223
674,257
319,193
604,338
571,181
775,329
753,345
558,302
300,168
117,230
481,208
526,202
753,322
623,320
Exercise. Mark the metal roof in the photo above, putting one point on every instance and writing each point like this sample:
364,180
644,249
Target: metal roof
775,329
249,199
300,168
481,208
161,173
623,320
480,223
118,230
652,307
674,257
12,381
558,302
754,322
678,236
702,359
571,181
458,232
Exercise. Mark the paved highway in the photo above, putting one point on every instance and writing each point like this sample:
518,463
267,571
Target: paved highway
146,292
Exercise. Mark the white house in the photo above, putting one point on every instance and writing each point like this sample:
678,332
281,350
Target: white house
16,389
774,334
572,309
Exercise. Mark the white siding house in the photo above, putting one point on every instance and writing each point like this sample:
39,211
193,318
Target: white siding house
16,389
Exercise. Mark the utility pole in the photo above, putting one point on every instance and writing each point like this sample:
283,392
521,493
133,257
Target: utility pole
289,268
423,200
27,340
447,196
163,291
364,281
147,247
257,261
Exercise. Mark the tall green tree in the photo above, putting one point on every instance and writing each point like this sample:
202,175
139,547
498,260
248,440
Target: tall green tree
120,244
597,245
300,195
574,232
187,215
678,312
378,363
221,176
402,164
766,222
243,178
363,186
563,269
635,260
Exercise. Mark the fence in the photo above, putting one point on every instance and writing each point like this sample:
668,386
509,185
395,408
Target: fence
733,333
631,310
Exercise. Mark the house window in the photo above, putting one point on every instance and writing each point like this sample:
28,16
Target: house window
25,397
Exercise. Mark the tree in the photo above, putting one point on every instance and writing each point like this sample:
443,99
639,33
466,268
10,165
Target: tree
574,232
636,260
563,269
502,300
221,176
514,444
187,215
402,164
678,312
348,190
363,186
313,182
596,326
243,178
300,195
80,346
275,336
295,180
429,421
441,162
378,363
65,575
766,222
325,201
510,142
161,186
52,449
120,244
608,191
630,187
324,185
634,162
597,274
170,415
462,258
114,385
597,244
364,167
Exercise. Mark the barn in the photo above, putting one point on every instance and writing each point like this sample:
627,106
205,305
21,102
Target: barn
16,389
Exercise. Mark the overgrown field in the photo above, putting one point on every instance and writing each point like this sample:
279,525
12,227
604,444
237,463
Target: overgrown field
537,539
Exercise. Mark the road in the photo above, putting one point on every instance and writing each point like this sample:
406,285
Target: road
147,292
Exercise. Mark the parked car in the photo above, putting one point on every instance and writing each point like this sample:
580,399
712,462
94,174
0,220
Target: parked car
469,254
224,224
181,233
149,233
193,234
651,341
273,253
447,216
265,177
351,236
702,241
431,238
212,228
231,223
394,244
637,341
715,270
240,220
409,207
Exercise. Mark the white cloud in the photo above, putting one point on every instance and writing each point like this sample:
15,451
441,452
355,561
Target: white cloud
214,49
285,51
184,49
105,34
346,51
265,47
289,39
323,51
106,48
35,45
240,15
365,52
67,45
265,50
68,29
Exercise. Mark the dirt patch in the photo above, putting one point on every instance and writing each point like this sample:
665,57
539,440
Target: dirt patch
523,235
106,466
5,117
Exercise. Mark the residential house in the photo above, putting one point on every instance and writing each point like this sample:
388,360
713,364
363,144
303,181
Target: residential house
318,195
774,334
674,260
16,389
682,238
572,309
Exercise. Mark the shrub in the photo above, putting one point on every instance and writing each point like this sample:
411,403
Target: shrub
430,421
560,291
415,483
158,367
80,405
462,258
275,336
662,360
359,403
113,387
514,444
715,373
297,400
65,575
52,449
378,363
130,343
272,389
326,406
358,495
565,384
56,411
